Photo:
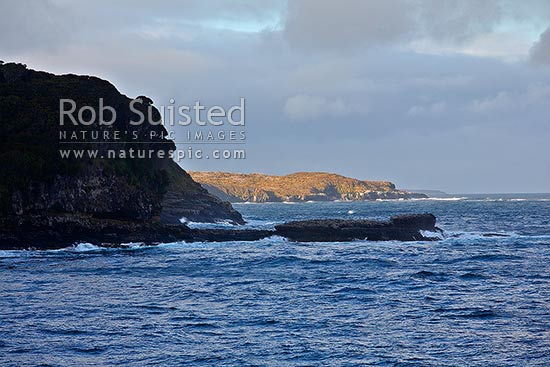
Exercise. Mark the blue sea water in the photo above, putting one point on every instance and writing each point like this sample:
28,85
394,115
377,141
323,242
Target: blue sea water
471,299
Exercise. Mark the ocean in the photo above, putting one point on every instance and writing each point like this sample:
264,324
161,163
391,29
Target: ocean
478,297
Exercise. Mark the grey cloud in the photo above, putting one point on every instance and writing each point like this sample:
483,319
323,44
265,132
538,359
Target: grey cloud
306,107
434,108
33,24
355,24
457,20
536,12
53,24
313,24
540,52
505,101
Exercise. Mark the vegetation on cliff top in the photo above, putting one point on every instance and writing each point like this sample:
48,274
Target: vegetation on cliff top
301,186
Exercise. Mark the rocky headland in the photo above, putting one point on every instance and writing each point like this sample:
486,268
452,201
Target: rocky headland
36,183
50,202
296,187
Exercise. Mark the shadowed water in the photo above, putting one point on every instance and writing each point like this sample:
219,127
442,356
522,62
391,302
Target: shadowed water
472,299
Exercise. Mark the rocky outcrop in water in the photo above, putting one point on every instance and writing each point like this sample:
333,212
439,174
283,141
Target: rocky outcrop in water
398,228
59,231
302,186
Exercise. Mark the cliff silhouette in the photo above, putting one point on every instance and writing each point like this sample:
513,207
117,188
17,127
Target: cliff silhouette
35,181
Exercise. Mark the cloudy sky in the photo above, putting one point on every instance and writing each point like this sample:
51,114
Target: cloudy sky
439,94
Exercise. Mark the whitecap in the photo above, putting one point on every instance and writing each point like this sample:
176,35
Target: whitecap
432,234
83,247
457,198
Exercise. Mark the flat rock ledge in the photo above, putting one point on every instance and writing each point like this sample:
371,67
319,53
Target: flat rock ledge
398,228
61,231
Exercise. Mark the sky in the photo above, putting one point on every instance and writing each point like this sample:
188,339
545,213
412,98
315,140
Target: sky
429,94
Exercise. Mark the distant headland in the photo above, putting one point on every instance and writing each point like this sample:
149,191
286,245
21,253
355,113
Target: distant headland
296,187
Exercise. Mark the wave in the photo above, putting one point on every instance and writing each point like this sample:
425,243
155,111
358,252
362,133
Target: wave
501,199
467,312
453,198
250,224
83,247
450,198
88,247
220,224
272,202
211,245
426,274
466,238
430,234
474,236
423,199
468,198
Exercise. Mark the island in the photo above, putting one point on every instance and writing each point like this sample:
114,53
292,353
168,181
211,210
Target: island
297,187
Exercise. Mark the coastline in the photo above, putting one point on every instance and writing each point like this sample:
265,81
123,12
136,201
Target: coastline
62,231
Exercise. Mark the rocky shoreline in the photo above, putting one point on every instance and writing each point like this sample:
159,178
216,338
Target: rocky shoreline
48,201
61,231
297,187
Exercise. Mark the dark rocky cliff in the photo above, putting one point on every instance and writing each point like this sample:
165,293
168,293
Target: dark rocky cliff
186,198
35,180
